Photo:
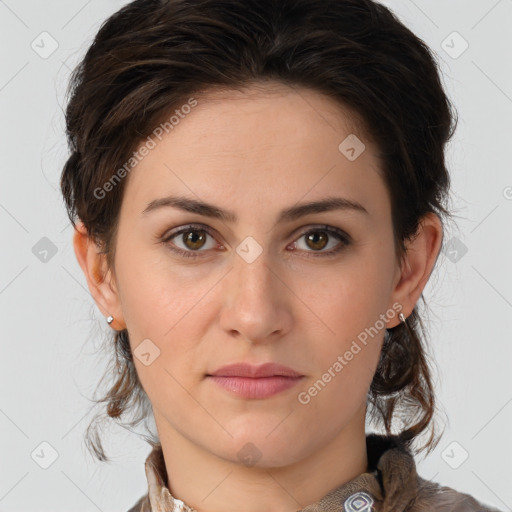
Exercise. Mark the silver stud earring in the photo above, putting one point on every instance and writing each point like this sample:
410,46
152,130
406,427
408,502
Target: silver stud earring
110,319
402,320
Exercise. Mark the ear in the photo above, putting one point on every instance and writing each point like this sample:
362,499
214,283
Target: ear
100,279
419,261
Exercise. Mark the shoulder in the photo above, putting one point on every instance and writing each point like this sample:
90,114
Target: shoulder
403,489
445,499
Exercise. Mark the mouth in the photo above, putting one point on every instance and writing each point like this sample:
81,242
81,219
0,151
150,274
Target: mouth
255,382
262,370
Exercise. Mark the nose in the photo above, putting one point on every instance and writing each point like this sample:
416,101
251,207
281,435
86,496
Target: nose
256,302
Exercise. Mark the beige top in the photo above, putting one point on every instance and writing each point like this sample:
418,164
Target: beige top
391,484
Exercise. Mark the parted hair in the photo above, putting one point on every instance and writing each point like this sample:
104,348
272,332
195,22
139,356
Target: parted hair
152,56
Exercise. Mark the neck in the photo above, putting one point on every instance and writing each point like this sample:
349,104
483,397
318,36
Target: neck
209,483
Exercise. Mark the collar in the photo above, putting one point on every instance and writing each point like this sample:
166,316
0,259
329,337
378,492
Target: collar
390,483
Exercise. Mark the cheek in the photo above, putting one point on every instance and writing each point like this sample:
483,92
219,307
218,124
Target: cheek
352,305
156,297
167,305
345,366
352,297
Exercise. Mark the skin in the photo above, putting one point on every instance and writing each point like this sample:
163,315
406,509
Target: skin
256,152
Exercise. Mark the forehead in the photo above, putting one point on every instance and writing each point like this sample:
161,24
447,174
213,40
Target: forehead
268,142
283,105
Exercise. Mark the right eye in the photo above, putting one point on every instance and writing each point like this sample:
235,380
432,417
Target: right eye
193,238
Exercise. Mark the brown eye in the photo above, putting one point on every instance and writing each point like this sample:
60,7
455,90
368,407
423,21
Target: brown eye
193,239
317,240
192,242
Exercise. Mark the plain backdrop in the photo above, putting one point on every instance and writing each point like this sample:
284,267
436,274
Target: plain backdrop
51,332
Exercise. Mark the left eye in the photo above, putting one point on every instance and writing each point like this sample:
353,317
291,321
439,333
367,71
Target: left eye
194,239
319,238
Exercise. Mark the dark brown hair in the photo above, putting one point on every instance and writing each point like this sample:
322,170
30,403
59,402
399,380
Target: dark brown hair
152,56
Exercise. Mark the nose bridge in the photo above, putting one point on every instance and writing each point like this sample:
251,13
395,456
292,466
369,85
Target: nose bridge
253,304
253,278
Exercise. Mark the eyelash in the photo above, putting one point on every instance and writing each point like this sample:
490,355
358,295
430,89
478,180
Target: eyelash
337,233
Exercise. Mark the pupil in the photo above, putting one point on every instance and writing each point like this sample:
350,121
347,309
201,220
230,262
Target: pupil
193,237
313,237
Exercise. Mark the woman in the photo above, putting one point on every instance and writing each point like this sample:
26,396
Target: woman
258,192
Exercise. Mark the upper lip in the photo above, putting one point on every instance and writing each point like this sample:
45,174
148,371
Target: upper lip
248,370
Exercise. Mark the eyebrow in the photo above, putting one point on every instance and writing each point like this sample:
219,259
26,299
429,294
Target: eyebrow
286,215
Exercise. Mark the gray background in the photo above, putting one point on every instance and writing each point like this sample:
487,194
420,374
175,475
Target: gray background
51,333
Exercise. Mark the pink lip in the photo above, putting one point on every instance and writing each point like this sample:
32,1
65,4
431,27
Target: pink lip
263,370
255,381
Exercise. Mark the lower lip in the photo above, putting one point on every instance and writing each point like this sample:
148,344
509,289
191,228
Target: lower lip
261,387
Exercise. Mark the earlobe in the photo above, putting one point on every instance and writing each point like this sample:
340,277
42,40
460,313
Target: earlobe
99,277
422,253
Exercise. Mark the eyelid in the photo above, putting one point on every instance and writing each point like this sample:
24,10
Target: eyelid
192,226
344,238
325,227
168,235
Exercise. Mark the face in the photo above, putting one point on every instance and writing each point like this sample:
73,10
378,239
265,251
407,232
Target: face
313,290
